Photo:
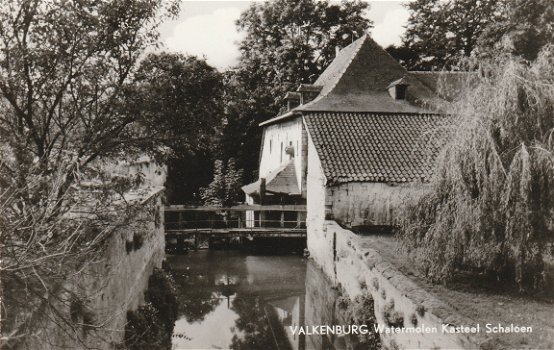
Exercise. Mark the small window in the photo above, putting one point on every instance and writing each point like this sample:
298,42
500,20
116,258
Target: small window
281,153
270,145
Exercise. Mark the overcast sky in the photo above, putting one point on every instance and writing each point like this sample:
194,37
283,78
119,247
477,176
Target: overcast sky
207,28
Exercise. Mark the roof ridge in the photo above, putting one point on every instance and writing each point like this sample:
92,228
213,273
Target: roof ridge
439,72
362,39
359,42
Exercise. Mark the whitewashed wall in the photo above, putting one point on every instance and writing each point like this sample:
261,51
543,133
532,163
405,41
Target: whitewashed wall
371,203
275,140
315,205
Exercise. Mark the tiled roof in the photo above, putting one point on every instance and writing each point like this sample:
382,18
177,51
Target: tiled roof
358,78
375,147
282,180
447,85
357,81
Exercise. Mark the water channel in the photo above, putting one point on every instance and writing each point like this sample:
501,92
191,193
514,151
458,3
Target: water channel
232,299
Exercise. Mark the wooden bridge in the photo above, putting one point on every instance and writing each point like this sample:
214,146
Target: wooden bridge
187,225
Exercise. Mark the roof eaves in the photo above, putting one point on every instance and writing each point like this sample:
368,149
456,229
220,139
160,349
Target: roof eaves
290,114
309,88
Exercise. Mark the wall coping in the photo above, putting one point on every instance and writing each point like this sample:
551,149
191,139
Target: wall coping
444,312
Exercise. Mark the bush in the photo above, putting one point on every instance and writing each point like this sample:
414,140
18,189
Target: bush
162,293
145,330
491,208
151,325
360,311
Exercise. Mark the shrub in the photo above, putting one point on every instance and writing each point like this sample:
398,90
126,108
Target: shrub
145,330
162,294
360,311
392,318
151,325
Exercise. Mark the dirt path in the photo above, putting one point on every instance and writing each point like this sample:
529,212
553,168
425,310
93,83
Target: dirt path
490,304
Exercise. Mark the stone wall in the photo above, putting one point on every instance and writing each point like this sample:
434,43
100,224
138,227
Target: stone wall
354,203
357,268
370,203
114,283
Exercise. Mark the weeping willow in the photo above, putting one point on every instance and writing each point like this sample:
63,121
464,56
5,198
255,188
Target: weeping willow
490,210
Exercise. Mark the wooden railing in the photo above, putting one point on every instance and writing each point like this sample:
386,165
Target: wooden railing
238,217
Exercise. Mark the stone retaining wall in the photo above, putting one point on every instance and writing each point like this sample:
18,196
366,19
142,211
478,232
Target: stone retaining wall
114,284
358,268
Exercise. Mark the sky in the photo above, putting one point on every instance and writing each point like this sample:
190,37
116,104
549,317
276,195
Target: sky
207,28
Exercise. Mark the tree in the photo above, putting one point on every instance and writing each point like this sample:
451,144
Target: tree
291,42
405,55
224,190
253,325
179,100
287,43
440,32
65,74
491,206
523,29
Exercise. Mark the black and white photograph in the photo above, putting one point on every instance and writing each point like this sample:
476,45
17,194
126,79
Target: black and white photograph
276,174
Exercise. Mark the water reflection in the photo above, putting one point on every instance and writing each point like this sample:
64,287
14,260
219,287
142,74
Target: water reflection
233,300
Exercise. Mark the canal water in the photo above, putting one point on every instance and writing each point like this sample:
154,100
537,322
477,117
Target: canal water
230,299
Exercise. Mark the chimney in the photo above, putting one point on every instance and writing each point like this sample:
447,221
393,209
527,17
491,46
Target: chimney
398,88
308,92
337,50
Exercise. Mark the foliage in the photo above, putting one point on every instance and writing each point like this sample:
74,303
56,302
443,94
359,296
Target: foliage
65,71
145,330
254,330
162,293
291,42
359,311
224,190
179,100
187,173
405,55
151,326
524,27
491,206
439,32
287,43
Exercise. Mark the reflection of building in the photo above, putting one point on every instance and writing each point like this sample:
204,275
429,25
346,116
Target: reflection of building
290,312
317,307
